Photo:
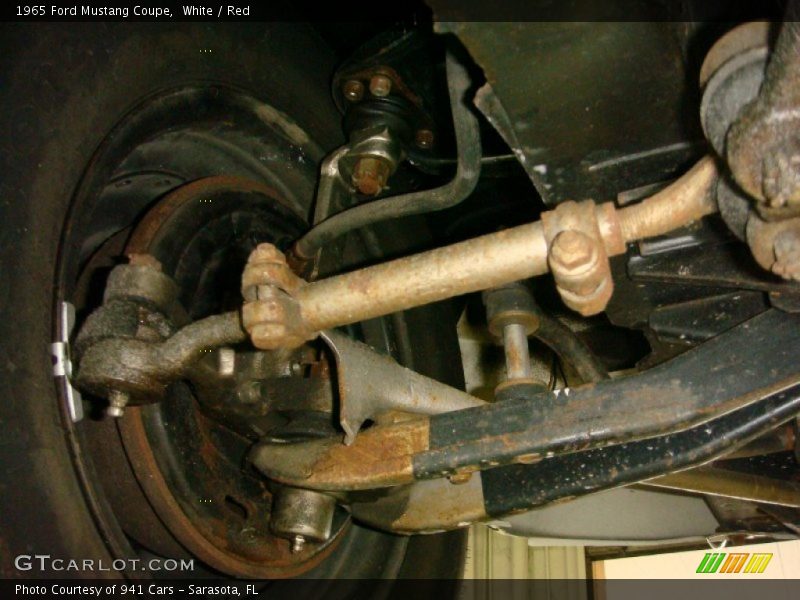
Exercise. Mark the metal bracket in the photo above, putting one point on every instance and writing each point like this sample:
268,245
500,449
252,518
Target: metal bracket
62,363
371,384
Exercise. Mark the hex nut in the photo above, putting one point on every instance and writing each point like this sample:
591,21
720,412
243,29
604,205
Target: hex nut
274,321
370,175
117,401
380,86
353,90
574,251
424,139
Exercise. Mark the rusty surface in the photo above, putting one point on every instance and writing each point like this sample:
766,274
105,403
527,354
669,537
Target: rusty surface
329,227
782,439
434,505
353,90
270,313
762,147
370,175
243,553
755,34
273,320
504,257
510,304
267,265
380,85
143,369
425,507
379,457
682,202
581,271
209,541
365,76
157,217
775,245
476,264
750,114
498,321
719,377
578,255
518,358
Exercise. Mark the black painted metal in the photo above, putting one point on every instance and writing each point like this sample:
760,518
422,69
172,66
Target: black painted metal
521,487
568,109
734,370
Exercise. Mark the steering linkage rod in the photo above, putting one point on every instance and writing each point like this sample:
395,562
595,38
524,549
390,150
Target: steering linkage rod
573,241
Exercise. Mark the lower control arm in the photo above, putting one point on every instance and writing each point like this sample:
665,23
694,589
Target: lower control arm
722,377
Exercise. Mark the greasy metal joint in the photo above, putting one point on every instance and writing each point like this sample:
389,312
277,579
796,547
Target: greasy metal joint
142,369
129,349
762,146
751,115
370,175
334,190
372,157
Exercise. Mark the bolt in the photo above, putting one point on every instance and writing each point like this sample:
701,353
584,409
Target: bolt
424,138
117,401
460,478
226,362
248,535
380,86
297,543
573,250
529,459
370,175
353,90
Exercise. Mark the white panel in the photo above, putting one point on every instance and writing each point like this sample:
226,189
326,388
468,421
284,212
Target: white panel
785,564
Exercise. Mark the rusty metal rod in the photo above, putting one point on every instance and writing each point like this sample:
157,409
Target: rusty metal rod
687,199
731,484
518,358
487,261
477,264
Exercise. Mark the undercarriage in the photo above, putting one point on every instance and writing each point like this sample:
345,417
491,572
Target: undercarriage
551,270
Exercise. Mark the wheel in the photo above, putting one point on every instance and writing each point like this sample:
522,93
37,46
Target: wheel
106,122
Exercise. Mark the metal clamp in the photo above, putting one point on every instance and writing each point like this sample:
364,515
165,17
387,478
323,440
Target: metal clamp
62,361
